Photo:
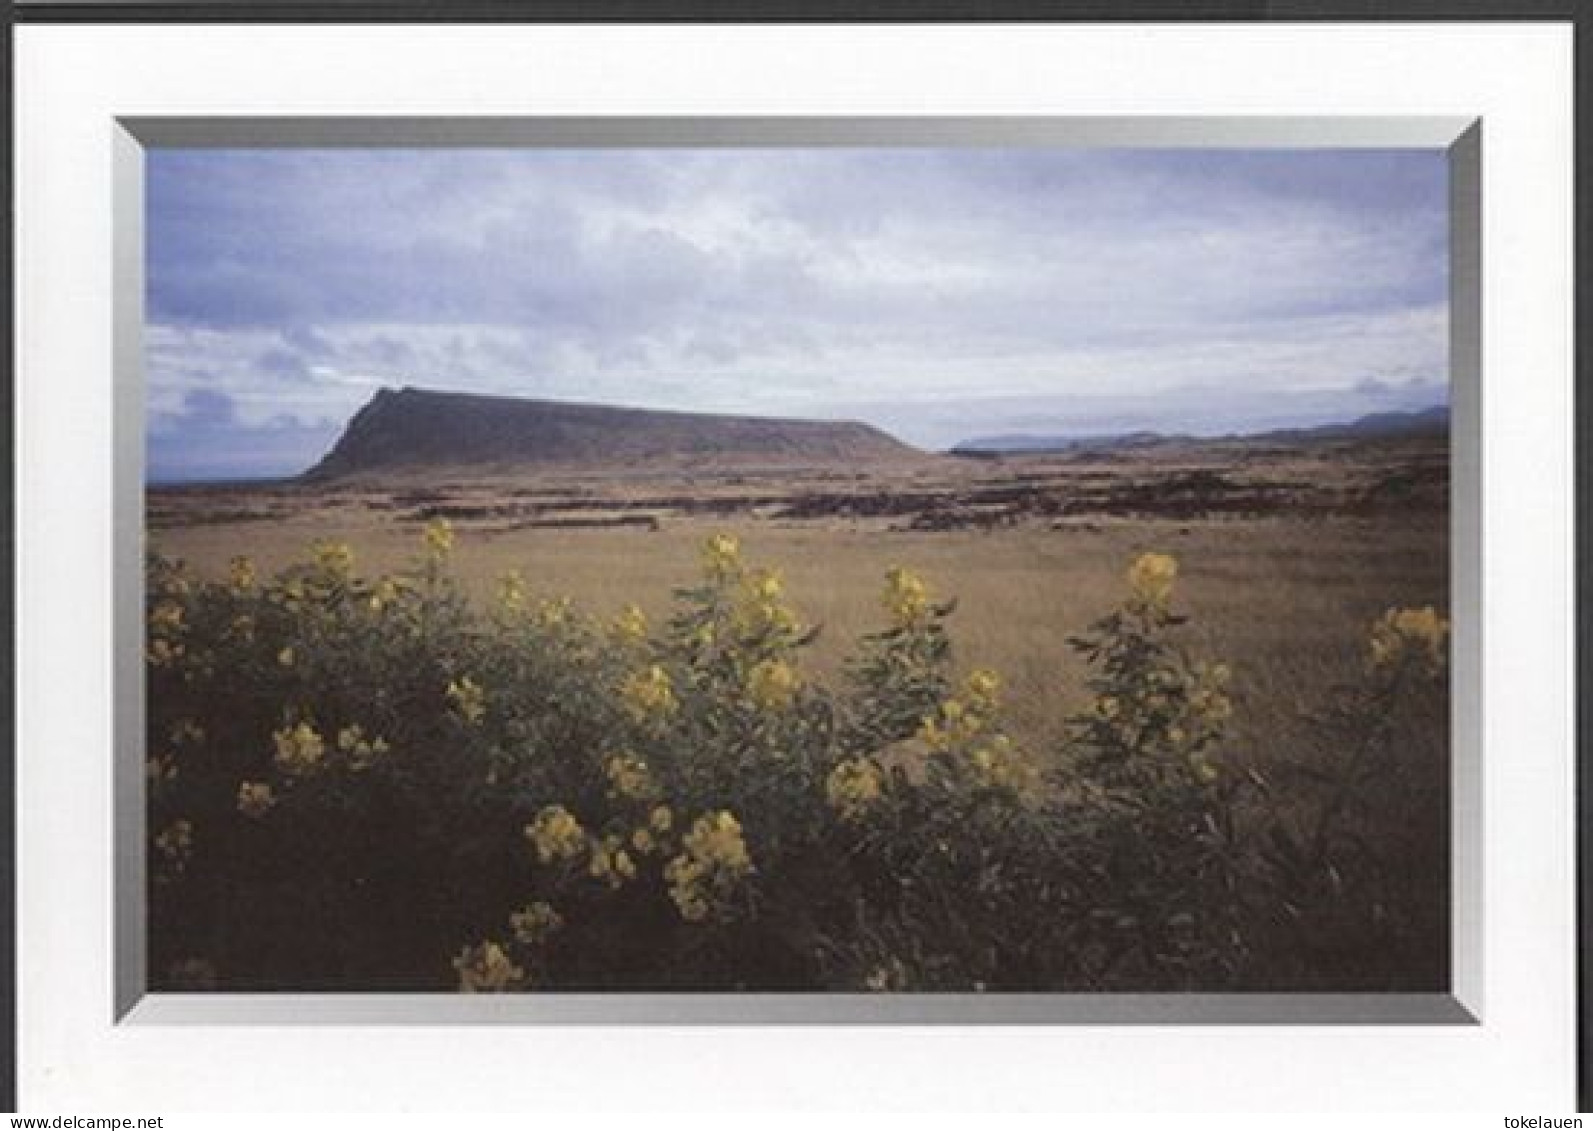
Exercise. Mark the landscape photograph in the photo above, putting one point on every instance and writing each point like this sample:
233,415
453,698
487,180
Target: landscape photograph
817,569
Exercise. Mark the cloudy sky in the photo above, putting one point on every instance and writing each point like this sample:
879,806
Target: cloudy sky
939,293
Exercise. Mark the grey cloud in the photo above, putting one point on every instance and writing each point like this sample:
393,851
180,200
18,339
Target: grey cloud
774,279
205,440
285,364
207,407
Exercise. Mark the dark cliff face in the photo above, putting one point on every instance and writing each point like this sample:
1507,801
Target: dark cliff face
412,429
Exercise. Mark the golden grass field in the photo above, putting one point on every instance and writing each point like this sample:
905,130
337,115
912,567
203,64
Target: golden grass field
1283,566
1163,828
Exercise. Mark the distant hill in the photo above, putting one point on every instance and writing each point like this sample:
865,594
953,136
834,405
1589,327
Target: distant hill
1382,425
412,430
1379,425
1023,442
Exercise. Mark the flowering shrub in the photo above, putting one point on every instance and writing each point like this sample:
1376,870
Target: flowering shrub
1163,835
365,782
1351,885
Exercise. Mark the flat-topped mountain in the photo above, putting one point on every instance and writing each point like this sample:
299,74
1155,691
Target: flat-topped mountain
410,430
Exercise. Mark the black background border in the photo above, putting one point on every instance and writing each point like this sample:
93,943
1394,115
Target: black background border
1578,12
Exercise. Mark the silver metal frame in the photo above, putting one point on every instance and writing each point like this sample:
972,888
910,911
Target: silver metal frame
1461,137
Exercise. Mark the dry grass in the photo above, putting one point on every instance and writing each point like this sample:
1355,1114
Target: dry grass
1285,560
1286,602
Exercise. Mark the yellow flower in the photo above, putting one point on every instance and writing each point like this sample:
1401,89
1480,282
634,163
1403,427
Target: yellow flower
385,593
760,611
982,689
906,596
176,842
649,694
765,585
438,538
486,969
1215,675
556,834
1151,579
773,685
361,751
1208,701
661,819
629,777
553,612
165,624
721,557
467,699
255,799
760,618
610,862
853,787
716,838
285,657
714,859
240,574
642,841
511,591
163,653
999,765
956,725
631,624
335,558
685,888
166,618
299,749
534,923
1417,634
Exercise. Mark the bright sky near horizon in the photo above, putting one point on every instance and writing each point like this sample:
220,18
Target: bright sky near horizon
941,294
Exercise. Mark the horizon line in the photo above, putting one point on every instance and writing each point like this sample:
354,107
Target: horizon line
966,446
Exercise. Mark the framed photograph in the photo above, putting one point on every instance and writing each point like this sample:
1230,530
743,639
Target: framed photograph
1001,525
